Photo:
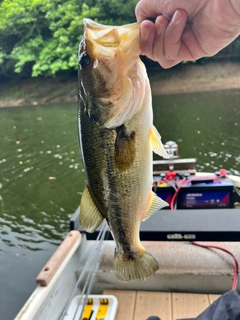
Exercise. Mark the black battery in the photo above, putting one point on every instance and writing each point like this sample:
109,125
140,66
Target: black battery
206,194
164,190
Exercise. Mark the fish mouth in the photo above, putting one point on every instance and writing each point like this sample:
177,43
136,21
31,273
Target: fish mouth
108,59
109,40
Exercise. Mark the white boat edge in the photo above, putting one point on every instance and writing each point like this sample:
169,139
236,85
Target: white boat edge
34,302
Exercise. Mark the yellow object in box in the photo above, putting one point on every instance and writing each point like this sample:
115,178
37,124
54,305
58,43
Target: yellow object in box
161,184
98,307
102,310
88,310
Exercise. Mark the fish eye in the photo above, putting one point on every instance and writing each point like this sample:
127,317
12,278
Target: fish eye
84,60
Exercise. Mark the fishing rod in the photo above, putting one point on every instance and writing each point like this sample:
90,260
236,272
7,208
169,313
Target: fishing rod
89,281
89,268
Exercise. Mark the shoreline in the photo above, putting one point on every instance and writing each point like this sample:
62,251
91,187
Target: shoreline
212,76
183,78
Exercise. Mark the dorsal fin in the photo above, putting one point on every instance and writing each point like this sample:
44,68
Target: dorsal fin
157,145
155,204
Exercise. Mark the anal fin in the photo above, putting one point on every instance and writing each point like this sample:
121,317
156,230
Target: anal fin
157,145
90,217
155,204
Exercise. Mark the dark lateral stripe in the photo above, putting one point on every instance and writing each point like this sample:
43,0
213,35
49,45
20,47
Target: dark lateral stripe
114,210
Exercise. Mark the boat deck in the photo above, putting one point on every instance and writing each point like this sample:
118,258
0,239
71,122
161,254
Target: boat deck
139,305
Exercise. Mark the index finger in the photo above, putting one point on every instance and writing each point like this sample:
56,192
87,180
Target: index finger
152,8
144,9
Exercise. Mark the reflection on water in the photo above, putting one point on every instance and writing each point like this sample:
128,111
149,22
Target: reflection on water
41,175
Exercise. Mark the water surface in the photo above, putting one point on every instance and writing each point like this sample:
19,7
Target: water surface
206,126
41,175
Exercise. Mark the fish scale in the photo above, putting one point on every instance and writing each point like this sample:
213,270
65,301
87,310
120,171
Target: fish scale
117,137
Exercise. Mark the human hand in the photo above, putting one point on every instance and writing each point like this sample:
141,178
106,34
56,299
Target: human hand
186,30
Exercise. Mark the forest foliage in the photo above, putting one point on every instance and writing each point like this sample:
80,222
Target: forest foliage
41,37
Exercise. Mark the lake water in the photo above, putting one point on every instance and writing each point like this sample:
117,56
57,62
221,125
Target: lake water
41,175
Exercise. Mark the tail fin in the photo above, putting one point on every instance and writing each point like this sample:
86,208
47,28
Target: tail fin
139,268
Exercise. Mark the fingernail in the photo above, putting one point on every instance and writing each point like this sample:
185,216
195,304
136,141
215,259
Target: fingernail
145,34
176,16
161,24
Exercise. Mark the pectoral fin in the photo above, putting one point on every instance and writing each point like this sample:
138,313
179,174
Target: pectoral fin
157,145
124,148
90,217
155,204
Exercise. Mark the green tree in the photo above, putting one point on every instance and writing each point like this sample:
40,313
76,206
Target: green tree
45,34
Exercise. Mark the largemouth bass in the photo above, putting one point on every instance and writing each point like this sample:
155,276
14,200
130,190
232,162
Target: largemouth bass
117,137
